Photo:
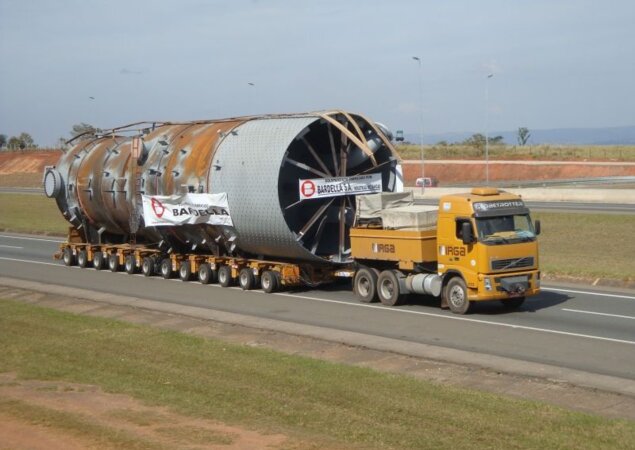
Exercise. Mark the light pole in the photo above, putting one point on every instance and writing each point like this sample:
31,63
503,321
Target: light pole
487,128
423,180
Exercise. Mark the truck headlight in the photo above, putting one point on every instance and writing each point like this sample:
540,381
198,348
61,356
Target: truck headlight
488,284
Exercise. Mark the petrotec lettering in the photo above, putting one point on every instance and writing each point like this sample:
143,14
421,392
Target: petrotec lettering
186,209
505,204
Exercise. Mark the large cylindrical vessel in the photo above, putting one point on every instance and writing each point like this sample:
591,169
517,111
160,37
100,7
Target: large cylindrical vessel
259,162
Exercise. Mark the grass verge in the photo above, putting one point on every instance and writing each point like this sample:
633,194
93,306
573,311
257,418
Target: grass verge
31,213
271,391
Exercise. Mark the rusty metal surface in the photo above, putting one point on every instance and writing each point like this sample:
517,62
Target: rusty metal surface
256,160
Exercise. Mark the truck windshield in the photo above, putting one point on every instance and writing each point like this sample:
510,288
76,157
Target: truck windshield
505,229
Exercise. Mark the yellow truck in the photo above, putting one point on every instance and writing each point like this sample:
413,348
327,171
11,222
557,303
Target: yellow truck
474,247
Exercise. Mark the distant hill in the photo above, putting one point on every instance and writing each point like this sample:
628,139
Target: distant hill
564,136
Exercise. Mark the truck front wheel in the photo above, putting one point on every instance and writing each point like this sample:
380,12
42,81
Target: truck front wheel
388,288
456,296
365,284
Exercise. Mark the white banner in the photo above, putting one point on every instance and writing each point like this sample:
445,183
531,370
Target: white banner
165,210
334,187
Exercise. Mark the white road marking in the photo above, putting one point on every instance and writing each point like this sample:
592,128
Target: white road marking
30,238
10,246
598,313
405,311
629,297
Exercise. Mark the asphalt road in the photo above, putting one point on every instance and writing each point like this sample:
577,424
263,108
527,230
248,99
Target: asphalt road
585,329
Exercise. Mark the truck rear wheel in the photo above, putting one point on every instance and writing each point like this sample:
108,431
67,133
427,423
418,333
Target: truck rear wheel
185,271
98,261
246,279
113,262
225,276
82,258
147,266
166,268
388,288
68,257
456,296
365,284
270,281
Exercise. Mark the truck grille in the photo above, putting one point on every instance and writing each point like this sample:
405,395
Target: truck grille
512,263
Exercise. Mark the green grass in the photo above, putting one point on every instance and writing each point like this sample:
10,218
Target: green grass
304,398
31,213
540,152
587,245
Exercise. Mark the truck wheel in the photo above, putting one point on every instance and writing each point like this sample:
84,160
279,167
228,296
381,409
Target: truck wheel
147,266
205,274
456,296
98,261
68,257
513,303
113,263
365,284
246,279
388,289
225,276
185,271
130,264
270,281
166,268
82,258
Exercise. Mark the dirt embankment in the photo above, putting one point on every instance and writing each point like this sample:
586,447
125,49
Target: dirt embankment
25,168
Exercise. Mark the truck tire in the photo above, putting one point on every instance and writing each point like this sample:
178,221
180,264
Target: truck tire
147,266
166,268
365,284
130,264
456,296
98,260
225,276
513,303
388,289
246,279
185,271
206,275
82,258
113,263
270,281
68,257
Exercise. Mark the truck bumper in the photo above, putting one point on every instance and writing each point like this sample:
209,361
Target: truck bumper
504,286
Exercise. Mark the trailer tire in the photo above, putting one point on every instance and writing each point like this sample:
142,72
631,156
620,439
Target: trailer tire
270,281
113,262
365,284
147,266
68,257
82,258
166,268
246,279
205,274
388,289
225,276
185,271
456,296
513,303
98,260
130,264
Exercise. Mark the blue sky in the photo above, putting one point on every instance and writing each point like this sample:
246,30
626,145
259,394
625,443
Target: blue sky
555,63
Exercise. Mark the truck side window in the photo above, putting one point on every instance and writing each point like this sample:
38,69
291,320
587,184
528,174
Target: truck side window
459,228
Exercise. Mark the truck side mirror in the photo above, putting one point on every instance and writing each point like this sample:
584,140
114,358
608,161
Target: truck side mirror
537,227
466,233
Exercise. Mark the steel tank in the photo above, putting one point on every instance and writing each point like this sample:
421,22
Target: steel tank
258,161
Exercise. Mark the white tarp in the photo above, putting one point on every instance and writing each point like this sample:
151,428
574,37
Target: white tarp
335,187
166,210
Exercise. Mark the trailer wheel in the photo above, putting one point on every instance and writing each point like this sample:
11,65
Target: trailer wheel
82,258
98,261
147,266
513,303
388,289
185,271
205,274
365,284
130,264
246,279
270,281
68,257
113,262
456,296
225,276
166,268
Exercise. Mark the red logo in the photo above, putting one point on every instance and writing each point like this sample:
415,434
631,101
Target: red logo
307,188
157,207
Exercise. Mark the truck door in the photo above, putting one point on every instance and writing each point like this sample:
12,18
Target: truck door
453,253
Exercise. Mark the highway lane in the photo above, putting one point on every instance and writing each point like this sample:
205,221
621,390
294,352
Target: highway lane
584,329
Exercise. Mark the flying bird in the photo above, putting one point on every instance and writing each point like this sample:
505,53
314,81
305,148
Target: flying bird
92,98
251,84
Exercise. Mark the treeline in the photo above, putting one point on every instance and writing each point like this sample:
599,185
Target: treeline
25,140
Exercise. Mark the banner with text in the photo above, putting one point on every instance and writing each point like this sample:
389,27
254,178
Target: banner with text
334,187
165,210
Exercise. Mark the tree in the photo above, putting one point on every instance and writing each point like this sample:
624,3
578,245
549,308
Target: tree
3,140
24,140
81,128
523,136
477,141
